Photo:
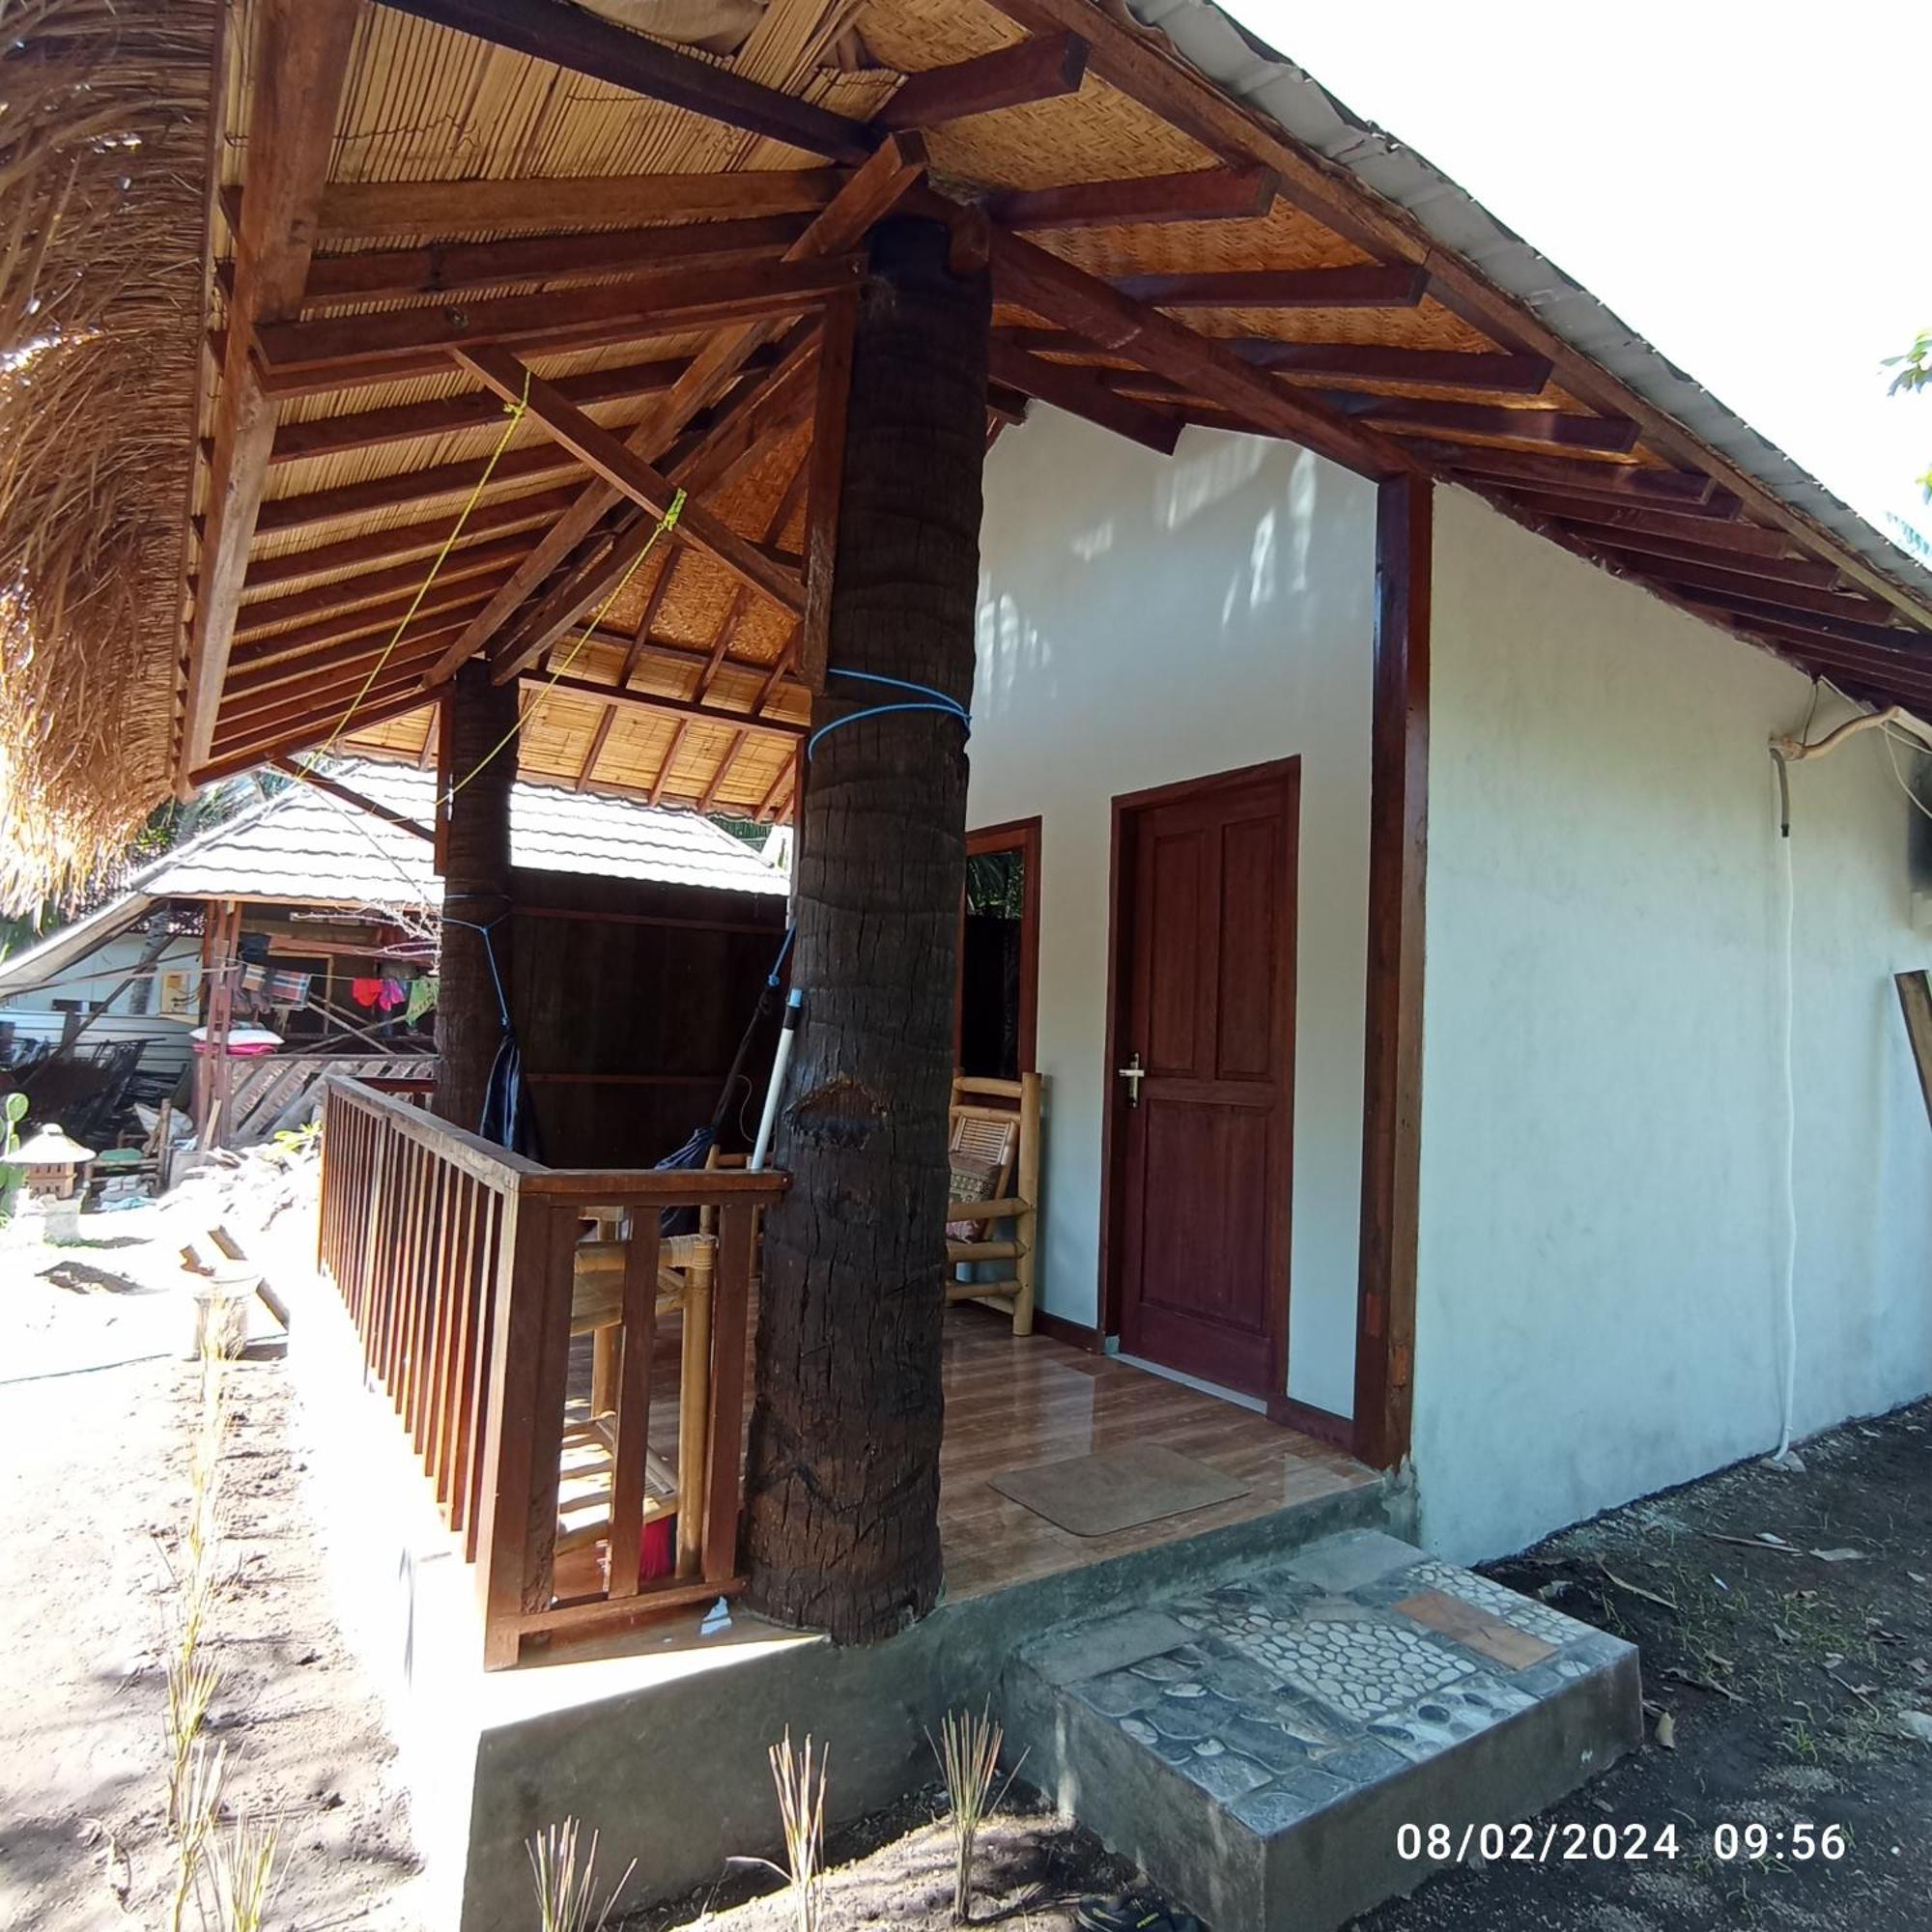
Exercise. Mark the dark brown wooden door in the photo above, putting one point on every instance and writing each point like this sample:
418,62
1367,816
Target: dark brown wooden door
1205,1003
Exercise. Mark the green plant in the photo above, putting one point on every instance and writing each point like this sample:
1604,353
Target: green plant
968,1751
567,1895
12,1175
800,1778
242,1866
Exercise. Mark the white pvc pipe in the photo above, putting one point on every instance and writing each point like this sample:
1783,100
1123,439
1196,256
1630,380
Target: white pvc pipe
787,1034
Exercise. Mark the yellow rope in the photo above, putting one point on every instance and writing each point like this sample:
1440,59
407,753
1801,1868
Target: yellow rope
515,412
667,522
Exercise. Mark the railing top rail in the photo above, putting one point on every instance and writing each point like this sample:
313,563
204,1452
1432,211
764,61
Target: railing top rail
595,1187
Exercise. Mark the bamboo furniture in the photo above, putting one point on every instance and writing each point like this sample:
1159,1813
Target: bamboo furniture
997,1120
457,1262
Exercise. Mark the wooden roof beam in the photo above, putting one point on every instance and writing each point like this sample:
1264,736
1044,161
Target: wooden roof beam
1749,607
301,58
1800,604
570,37
1084,392
438,605
362,651
374,209
1688,524
1206,194
1372,362
489,518
1026,274
546,462
650,703
1559,429
246,756
1367,285
272,708
348,795
1042,67
664,300
870,192
1668,488
442,268
375,587
1641,545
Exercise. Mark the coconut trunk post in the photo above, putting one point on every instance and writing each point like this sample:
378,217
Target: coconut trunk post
473,807
842,1487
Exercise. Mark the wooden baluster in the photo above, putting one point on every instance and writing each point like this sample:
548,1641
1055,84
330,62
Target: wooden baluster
436,1316
524,1431
482,1370
723,1463
693,1408
364,1311
630,1432
381,1253
460,1307
1025,1270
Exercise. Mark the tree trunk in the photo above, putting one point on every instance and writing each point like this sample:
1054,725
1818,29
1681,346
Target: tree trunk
475,890
842,1489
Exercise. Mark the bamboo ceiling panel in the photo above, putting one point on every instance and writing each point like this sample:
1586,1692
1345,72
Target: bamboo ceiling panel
1324,314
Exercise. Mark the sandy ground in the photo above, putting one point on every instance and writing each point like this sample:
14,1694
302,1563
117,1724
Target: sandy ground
94,1400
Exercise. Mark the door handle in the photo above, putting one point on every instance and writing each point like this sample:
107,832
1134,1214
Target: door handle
1133,1073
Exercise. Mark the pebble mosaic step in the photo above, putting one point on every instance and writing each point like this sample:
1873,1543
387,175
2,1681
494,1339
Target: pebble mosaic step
1258,1744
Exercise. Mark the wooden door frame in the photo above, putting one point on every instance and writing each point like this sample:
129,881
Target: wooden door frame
1021,835
1120,937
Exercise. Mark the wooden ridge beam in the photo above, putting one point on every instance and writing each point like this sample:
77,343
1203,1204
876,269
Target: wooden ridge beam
1084,392
371,209
1026,274
683,709
246,755
442,268
348,795
569,36
1556,429
1367,285
1372,362
486,520
871,191
664,300
375,587
301,58
1206,194
1042,67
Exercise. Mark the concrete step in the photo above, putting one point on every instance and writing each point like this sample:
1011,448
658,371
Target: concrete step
1253,1744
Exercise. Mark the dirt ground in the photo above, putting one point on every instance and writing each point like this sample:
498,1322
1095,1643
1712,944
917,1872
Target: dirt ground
94,1402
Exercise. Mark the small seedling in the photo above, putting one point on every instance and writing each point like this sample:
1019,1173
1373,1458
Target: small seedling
567,1891
243,1868
968,1751
800,1778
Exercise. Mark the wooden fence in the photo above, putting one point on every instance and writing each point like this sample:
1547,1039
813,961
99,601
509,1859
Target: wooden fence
463,1270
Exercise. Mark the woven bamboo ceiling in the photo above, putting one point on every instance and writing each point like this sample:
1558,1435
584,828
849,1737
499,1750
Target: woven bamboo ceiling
428,207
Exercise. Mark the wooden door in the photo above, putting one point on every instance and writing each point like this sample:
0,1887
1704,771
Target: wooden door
1201,1154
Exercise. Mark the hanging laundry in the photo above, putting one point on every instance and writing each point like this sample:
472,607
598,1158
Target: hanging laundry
365,992
422,997
254,979
395,993
288,988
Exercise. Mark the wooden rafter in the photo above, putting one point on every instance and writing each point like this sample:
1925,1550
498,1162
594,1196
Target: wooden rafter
1630,482
301,57
348,795
243,756
1043,67
656,705
1373,362
520,468
376,619
869,193
598,738
825,486
374,586
1372,285
1563,429
1084,392
1206,194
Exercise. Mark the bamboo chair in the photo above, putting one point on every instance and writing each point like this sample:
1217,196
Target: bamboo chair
997,1122
686,1269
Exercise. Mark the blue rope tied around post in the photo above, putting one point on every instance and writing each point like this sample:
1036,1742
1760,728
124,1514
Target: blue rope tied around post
927,700
490,953
505,1119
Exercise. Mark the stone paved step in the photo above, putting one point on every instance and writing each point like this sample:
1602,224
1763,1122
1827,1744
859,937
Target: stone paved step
1255,1745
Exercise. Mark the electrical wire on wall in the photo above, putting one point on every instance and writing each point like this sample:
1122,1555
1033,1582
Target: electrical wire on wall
1894,724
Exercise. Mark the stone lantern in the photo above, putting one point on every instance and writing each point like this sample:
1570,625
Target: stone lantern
51,1160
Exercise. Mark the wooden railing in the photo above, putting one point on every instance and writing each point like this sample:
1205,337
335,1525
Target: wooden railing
467,1271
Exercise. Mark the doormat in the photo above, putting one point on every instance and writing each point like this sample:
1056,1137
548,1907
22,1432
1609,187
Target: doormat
1094,1495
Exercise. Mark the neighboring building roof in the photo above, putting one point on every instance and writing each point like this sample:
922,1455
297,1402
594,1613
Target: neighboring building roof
302,847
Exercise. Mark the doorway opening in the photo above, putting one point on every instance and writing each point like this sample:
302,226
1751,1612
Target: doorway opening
999,953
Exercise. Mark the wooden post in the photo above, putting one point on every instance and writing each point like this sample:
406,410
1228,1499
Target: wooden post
842,1522
1026,1269
475,826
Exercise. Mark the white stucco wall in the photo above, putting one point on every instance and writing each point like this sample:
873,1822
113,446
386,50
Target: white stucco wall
1603,1118
1145,620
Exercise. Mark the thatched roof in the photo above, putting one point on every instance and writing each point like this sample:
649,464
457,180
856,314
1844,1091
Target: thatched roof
414,196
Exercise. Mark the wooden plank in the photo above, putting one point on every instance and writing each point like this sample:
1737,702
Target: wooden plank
824,490
663,302
1914,999
1677,490
1639,546
608,456
1028,274
377,619
1559,428
870,192
1746,607
1392,1047
1042,67
598,739
348,794
572,37
298,729
260,619
1797,601
1372,362
593,201
1084,392
1206,194
650,704
632,1435
301,61
1689,524
730,1308
381,548
440,268
1371,285
416,488
361,650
